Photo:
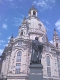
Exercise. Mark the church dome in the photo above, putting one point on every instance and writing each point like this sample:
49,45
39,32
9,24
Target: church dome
32,26
35,25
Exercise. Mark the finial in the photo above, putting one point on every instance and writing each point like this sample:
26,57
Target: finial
24,20
54,29
12,36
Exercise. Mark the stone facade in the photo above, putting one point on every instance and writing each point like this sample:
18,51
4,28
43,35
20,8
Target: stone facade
16,56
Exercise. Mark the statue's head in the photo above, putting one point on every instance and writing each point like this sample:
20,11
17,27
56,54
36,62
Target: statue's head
36,38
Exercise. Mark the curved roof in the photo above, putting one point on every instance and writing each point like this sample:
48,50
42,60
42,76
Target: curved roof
37,25
33,8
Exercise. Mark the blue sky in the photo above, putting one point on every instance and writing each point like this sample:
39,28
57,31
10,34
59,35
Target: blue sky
12,13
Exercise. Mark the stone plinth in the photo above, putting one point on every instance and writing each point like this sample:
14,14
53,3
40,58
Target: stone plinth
36,72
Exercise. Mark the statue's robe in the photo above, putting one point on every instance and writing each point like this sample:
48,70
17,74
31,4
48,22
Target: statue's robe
36,51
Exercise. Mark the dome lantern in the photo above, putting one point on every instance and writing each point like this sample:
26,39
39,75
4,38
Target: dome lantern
33,11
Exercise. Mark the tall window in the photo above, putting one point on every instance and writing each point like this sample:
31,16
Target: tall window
22,32
59,72
40,26
49,71
18,62
47,48
56,44
58,61
34,13
48,66
48,60
18,59
17,69
43,39
20,42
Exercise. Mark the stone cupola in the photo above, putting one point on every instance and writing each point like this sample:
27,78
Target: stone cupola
32,12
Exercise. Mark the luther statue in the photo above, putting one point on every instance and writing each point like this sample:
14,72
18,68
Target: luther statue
37,48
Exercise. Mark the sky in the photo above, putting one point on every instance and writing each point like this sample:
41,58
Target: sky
12,13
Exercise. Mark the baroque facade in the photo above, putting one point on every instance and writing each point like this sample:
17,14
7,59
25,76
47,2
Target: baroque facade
15,59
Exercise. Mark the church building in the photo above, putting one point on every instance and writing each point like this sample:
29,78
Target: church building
15,59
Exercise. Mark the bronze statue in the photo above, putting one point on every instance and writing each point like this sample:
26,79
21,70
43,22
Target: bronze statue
37,48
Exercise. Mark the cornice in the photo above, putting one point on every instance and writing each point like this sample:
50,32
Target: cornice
18,77
35,17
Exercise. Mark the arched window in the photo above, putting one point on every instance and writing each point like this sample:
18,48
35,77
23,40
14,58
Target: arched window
18,59
20,42
47,48
17,68
48,60
43,39
18,63
34,13
40,26
48,66
22,32
56,44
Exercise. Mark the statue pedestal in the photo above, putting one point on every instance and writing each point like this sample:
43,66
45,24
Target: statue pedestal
36,72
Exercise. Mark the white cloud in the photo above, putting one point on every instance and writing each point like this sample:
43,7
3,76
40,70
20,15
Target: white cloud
2,41
47,22
57,24
1,51
45,4
4,26
10,0
12,3
1,1
5,45
17,21
51,41
8,41
9,37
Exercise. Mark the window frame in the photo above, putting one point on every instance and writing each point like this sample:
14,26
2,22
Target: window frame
20,42
18,57
34,13
17,68
18,61
48,66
